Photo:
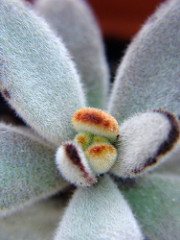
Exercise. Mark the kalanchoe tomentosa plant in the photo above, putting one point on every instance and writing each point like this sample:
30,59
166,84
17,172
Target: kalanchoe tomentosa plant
107,155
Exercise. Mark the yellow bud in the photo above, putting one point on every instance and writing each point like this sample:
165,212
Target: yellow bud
99,139
83,139
95,121
101,157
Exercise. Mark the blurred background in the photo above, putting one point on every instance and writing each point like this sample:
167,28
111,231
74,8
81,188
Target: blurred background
119,21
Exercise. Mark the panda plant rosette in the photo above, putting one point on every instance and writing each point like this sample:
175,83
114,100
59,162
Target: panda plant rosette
106,143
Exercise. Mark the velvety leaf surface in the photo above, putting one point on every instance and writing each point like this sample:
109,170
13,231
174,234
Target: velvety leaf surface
98,212
155,200
37,222
75,23
149,76
146,140
37,75
27,169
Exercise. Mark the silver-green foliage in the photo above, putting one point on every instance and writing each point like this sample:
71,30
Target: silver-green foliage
155,202
148,77
86,48
41,82
37,222
36,70
23,179
87,204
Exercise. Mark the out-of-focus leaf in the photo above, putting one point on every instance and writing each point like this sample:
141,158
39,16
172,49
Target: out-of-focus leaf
27,169
37,222
155,201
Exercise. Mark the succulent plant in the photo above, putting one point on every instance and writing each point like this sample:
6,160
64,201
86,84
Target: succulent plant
110,155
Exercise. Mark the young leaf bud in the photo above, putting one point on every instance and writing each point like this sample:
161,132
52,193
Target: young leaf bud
73,165
95,121
83,139
99,139
101,157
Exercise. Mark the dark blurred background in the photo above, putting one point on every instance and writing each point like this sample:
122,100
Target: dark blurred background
119,21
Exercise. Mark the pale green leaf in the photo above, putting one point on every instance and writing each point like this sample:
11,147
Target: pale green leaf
37,222
98,212
148,77
38,77
27,169
155,200
75,23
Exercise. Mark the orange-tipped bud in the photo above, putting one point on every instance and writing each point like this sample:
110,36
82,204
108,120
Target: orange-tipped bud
95,121
101,157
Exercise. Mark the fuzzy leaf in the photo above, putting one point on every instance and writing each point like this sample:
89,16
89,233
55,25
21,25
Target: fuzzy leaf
73,165
99,212
27,169
37,75
146,140
148,77
37,222
75,23
155,200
